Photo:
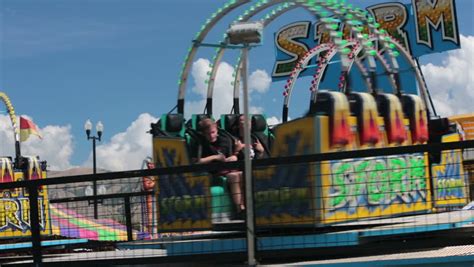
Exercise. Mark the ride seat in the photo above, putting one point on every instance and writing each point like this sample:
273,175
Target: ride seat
229,122
415,109
171,125
364,108
336,106
390,109
193,123
261,131
194,137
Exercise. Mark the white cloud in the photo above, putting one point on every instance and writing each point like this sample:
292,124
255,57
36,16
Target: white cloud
259,82
7,147
56,145
127,150
255,110
273,121
452,84
199,72
223,89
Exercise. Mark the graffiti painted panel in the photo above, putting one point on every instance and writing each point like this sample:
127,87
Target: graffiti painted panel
449,179
371,187
284,193
183,198
183,202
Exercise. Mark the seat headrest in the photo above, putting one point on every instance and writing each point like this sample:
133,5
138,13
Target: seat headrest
259,124
230,121
174,122
328,102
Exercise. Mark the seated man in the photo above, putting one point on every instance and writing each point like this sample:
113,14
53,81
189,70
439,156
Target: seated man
218,148
257,150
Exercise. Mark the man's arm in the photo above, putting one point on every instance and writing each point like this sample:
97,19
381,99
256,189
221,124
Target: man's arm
211,158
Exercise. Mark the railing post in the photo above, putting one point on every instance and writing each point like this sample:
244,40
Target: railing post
35,224
94,183
128,218
248,165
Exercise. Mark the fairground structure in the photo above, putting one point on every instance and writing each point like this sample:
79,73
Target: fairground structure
370,175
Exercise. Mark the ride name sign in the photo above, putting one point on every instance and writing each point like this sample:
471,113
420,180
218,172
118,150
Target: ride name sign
15,221
422,27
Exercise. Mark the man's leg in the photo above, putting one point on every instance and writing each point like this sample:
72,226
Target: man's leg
235,184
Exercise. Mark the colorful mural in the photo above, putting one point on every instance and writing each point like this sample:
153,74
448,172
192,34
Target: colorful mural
71,224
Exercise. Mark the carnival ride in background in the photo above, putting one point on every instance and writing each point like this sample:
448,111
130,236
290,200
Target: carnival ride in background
14,204
342,117
55,220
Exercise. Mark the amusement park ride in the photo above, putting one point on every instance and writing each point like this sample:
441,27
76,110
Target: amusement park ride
367,91
14,205
382,102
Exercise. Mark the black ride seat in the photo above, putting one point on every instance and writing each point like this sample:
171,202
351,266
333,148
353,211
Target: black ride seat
415,110
229,122
336,106
390,109
260,130
364,108
171,125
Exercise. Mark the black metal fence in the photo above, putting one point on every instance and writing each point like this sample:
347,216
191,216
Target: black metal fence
322,205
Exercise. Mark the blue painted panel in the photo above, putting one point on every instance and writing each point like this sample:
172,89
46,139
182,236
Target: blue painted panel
48,243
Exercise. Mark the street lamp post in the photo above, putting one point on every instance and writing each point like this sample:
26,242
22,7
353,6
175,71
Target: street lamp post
99,127
246,33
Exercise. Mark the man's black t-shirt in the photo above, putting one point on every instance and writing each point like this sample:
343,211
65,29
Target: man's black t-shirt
221,146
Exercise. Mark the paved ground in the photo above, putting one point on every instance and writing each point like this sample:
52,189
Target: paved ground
452,256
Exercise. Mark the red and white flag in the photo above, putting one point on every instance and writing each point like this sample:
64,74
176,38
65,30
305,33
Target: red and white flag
27,128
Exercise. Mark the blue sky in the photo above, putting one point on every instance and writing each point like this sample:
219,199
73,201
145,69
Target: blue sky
64,61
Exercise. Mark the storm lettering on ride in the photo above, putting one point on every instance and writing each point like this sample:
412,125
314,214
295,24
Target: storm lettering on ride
287,43
376,182
181,204
393,18
322,34
450,181
377,185
433,14
286,200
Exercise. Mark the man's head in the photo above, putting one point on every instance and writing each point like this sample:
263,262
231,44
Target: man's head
209,129
242,123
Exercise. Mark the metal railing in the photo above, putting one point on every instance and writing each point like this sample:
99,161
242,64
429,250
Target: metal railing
127,198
